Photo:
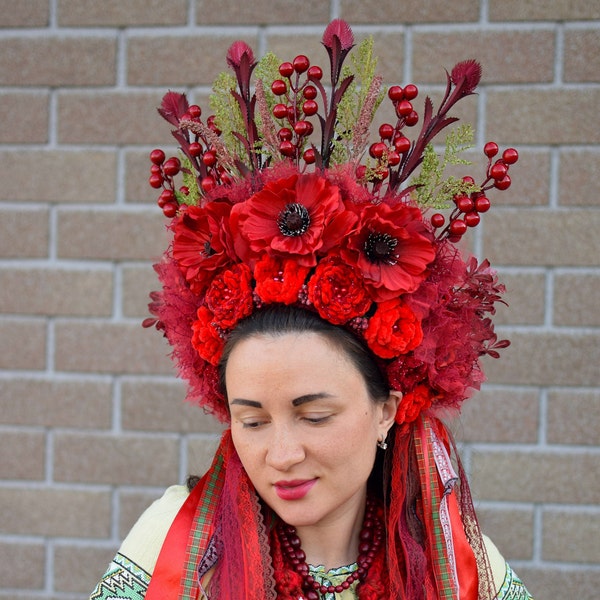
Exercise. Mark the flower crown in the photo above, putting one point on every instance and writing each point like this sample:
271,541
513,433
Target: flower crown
268,210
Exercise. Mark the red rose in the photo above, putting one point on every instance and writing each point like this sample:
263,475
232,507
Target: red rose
278,280
394,329
206,338
413,404
295,217
229,296
392,248
202,242
337,292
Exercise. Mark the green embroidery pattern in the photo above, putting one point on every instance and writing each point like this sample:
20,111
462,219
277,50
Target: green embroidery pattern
513,588
123,580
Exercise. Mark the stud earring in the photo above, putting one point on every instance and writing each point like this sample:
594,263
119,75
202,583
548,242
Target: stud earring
382,444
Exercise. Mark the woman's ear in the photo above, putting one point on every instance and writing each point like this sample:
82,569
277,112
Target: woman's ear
388,411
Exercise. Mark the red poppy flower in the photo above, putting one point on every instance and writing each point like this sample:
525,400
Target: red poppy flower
206,338
394,329
392,247
202,242
294,217
278,280
337,292
229,296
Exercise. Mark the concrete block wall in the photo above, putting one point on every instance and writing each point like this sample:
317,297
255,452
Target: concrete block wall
92,424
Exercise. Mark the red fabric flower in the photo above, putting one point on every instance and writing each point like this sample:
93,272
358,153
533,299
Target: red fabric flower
413,404
394,329
392,247
206,338
278,280
337,292
229,296
295,217
202,242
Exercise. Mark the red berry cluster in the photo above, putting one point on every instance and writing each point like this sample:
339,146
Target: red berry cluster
201,155
393,143
300,103
468,207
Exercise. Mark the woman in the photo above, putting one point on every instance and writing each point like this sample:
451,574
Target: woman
321,314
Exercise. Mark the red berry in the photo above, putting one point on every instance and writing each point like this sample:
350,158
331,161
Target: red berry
209,158
285,134
157,156
482,204
395,93
309,156
315,73
287,148
170,210
411,91
393,158
226,178
167,196
490,149
472,219
280,111
377,150
194,111
402,144
279,87
212,125
286,69
510,156
292,113
195,149
404,108
498,171
156,180
458,227
155,169
504,183
301,63
172,166
438,220
468,179
361,171
310,92
412,119
207,184
184,189
310,107
386,131
464,204
303,128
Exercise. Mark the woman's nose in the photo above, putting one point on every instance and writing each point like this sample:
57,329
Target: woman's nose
285,449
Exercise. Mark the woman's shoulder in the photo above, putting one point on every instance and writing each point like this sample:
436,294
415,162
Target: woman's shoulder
506,582
143,543
129,573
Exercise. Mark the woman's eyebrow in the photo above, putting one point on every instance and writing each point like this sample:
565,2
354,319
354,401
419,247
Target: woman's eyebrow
310,397
244,402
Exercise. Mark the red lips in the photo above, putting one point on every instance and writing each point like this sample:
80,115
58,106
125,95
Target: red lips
294,489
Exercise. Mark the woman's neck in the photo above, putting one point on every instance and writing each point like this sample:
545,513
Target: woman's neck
334,542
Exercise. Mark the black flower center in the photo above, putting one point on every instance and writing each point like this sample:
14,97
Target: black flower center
208,249
293,219
379,248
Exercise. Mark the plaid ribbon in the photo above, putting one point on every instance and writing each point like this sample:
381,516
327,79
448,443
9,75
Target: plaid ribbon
433,494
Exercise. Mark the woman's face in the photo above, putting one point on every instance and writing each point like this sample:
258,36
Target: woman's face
304,425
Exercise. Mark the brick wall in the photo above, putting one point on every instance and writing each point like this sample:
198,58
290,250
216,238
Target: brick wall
92,426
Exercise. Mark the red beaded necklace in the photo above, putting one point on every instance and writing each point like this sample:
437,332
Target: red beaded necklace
370,540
